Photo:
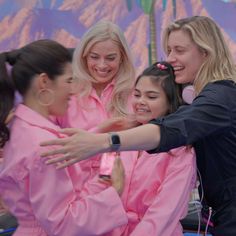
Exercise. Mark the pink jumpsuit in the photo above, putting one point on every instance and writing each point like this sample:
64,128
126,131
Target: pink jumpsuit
157,192
47,201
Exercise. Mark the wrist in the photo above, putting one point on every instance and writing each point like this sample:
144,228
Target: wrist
103,142
114,142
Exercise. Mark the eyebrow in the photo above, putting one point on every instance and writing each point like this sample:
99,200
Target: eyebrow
182,46
112,54
149,91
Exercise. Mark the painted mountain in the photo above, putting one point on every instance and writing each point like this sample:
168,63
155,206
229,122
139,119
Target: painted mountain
23,21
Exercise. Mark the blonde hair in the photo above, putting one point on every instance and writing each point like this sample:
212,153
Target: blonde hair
219,64
124,80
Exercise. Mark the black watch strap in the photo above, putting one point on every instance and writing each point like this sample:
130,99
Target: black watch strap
114,141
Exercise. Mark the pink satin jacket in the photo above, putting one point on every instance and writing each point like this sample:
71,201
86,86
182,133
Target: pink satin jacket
87,113
47,201
157,192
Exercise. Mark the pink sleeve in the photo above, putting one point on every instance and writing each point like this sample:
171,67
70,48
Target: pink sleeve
171,202
61,212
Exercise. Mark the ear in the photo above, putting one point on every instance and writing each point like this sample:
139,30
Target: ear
43,81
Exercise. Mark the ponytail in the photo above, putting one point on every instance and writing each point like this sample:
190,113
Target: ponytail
7,92
41,56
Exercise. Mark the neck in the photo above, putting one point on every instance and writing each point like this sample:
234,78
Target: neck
35,106
99,87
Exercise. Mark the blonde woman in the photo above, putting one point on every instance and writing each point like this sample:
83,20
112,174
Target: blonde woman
196,49
104,71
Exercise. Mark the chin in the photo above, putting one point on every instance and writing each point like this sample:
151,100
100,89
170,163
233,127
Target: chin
178,80
60,113
181,81
142,121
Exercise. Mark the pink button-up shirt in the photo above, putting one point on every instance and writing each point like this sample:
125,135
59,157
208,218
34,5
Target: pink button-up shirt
157,192
47,201
87,113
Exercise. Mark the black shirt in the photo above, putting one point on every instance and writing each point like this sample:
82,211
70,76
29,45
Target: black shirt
209,124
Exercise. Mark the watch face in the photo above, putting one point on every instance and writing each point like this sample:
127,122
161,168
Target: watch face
115,139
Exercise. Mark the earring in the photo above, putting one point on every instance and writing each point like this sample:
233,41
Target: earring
45,97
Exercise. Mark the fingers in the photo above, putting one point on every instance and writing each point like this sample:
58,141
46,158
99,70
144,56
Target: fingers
69,131
118,171
63,161
119,164
118,176
53,160
54,152
66,163
61,141
10,116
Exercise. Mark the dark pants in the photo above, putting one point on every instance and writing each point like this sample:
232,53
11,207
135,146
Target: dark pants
222,198
225,220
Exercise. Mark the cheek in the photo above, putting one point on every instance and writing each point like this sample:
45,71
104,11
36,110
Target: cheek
64,91
134,104
158,110
89,66
115,65
155,114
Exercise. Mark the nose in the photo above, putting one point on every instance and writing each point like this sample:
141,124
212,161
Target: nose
102,63
141,100
171,58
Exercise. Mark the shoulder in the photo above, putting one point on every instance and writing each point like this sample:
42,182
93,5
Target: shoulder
32,133
25,139
216,95
219,90
184,155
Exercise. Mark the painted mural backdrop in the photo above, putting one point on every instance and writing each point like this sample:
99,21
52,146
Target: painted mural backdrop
23,21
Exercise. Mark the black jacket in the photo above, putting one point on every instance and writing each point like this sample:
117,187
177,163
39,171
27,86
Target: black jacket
209,124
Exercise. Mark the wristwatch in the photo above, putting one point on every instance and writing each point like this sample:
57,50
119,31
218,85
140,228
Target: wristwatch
114,141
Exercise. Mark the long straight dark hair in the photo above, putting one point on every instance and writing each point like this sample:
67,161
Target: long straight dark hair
42,56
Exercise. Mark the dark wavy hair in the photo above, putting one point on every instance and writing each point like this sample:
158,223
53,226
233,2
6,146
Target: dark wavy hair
163,73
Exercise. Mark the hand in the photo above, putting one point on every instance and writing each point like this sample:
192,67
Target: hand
118,124
79,146
118,176
10,116
3,208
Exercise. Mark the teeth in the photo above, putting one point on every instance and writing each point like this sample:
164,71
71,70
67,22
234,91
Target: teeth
102,72
142,110
176,68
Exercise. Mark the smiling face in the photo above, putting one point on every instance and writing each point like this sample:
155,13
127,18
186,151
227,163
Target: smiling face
184,55
62,88
149,100
103,62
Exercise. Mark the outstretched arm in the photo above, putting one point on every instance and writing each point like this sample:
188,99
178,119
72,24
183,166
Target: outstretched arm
82,144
